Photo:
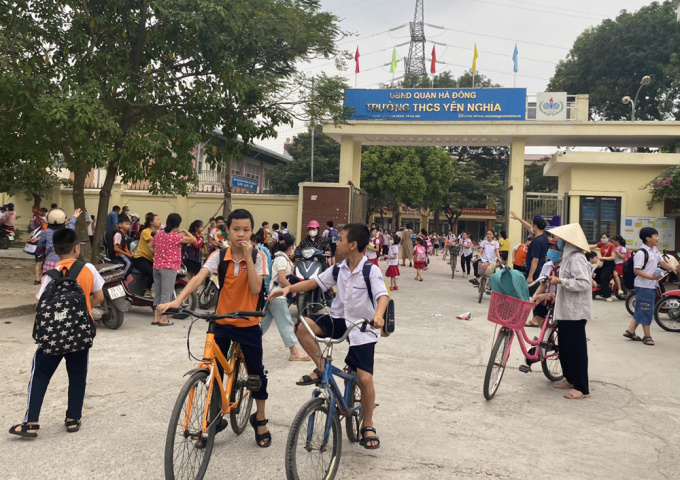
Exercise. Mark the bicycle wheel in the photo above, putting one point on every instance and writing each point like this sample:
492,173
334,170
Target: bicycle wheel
482,287
187,454
630,304
552,368
308,457
496,366
239,393
667,314
354,421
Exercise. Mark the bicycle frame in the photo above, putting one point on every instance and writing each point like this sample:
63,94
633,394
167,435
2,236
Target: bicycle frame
523,339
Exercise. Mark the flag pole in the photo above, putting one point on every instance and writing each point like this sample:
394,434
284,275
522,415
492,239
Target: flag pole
473,80
355,79
514,80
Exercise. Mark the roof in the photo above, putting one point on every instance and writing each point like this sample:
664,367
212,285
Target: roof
252,150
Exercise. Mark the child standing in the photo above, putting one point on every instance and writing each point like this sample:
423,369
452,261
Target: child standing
192,253
67,246
620,256
420,262
393,262
121,245
647,274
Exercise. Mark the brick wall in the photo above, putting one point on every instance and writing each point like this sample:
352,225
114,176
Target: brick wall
331,203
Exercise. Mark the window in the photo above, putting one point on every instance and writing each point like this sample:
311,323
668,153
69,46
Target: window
252,171
236,167
600,215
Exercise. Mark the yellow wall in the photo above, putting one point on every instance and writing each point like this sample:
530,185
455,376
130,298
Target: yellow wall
270,208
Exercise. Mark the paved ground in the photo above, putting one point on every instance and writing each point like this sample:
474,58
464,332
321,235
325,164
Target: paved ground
16,282
433,419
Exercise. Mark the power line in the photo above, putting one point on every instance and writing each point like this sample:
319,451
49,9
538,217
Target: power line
559,8
492,53
532,9
373,35
494,36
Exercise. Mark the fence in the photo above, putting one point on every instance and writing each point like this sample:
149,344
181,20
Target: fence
545,204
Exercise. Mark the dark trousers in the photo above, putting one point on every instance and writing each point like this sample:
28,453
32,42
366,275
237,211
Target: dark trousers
126,262
145,266
465,263
250,340
603,276
571,335
43,368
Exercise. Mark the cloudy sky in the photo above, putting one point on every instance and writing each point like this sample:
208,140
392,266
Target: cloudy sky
544,31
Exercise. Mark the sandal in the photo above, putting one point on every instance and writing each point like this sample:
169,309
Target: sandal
364,442
308,380
576,396
165,324
299,358
648,341
254,422
632,336
563,385
72,426
22,429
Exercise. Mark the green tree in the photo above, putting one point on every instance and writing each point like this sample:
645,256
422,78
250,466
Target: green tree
134,86
608,61
444,80
536,181
286,177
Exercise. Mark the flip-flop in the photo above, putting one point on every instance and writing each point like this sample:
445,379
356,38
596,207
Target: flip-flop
571,396
305,358
565,387
160,324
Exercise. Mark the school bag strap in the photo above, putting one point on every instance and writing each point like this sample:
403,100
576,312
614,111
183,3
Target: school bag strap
223,267
366,271
72,272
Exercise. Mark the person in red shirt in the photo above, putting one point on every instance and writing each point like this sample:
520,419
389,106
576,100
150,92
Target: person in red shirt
604,274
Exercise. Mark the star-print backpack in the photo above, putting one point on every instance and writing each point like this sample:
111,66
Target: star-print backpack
62,321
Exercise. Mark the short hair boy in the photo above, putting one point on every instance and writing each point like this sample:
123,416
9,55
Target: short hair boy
67,246
120,245
645,264
354,238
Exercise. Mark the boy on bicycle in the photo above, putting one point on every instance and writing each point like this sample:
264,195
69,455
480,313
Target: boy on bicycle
350,305
244,270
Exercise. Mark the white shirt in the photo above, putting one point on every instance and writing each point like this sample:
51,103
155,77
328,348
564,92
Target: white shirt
650,268
213,264
88,219
466,247
281,262
550,270
489,250
98,280
275,237
375,241
394,251
352,302
621,250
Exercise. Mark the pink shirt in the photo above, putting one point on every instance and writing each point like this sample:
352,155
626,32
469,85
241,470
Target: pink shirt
168,250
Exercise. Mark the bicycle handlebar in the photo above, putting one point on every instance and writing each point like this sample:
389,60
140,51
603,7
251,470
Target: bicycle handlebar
214,316
364,323
542,279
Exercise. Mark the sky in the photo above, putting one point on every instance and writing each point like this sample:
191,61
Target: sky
544,31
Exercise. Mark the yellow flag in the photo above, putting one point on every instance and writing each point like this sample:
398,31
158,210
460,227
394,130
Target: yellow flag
474,61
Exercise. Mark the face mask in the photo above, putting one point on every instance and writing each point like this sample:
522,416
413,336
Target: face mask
560,244
604,240
554,256
313,233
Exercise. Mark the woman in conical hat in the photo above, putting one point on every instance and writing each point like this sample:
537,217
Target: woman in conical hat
573,308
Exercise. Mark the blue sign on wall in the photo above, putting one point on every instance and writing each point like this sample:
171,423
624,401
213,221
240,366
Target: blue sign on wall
551,221
244,183
438,104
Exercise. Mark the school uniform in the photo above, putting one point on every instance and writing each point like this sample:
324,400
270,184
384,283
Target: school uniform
645,289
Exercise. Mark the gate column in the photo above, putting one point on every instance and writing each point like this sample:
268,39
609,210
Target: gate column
347,165
516,188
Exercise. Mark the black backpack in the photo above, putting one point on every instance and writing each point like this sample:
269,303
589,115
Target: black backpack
629,270
224,268
62,321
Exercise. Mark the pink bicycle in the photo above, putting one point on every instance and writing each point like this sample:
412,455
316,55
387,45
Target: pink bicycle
511,314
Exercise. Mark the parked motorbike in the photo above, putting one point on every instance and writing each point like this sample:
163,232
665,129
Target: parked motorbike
111,312
207,296
597,291
311,262
667,311
6,237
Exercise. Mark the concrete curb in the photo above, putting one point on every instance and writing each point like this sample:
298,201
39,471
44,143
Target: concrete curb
17,311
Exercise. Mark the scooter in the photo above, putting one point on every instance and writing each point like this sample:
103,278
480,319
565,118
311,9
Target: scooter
310,264
597,291
207,296
111,312
6,237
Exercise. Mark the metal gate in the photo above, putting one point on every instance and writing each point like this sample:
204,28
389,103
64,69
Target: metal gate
546,204
358,204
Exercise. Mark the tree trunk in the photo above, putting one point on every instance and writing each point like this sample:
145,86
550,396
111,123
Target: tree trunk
103,209
436,221
37,200
226,188
396,215
80,173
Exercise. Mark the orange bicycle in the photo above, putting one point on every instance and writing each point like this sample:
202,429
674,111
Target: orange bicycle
200,409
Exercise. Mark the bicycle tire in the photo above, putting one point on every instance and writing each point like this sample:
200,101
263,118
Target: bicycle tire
482,287
669,307
550,365
354,421
189,451
630,304
299,429
239,418
500,347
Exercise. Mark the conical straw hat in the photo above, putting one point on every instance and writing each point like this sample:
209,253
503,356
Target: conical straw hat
572,233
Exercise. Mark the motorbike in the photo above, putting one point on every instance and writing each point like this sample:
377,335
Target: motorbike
597,291
111,312
6,237
207,294
310,263
667,311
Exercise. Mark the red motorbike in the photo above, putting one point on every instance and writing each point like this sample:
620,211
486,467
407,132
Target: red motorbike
667,310
597,291
660,292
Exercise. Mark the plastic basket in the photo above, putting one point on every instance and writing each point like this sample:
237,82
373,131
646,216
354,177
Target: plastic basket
508,311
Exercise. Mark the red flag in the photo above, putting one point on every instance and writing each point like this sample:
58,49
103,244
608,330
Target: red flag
356,59
433,67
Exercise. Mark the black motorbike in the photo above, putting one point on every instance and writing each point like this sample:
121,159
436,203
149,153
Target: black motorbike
310,263
6,236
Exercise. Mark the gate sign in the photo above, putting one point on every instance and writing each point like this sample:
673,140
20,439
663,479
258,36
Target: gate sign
438,104
244,183
551,221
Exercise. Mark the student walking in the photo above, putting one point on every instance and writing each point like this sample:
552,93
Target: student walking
45,363
465,255
393,262
420,262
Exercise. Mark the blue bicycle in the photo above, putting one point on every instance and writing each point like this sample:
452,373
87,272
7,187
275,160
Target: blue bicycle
315,439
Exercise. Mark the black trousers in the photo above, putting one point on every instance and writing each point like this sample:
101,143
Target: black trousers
250,340
465,261
145,266
43,368
603,276
571,335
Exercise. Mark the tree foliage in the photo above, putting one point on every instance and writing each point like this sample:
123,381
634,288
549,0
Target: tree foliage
537,182
608,61
445,80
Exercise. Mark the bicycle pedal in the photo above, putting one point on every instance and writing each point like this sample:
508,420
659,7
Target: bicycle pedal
525,368
254,383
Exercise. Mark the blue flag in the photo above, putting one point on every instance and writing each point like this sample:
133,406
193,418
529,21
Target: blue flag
515,59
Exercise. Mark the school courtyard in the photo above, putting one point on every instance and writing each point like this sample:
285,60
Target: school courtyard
433,420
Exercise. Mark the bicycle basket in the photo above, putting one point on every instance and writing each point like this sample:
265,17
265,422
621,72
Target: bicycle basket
508,311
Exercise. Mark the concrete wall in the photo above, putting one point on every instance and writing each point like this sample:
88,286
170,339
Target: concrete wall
270,208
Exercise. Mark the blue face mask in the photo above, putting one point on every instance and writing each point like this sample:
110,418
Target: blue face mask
560,244
554,256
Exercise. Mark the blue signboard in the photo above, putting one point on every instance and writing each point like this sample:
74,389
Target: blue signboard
244,183
438,104
551,221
